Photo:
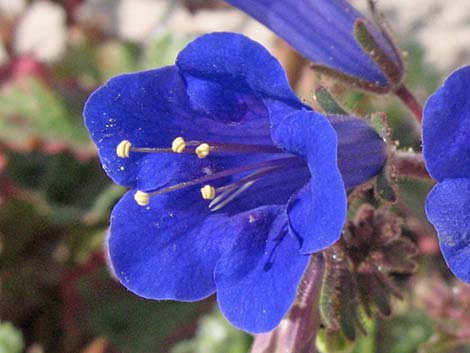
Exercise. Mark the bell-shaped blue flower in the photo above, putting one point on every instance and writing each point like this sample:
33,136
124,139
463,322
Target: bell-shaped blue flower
327,33
234,180
446,149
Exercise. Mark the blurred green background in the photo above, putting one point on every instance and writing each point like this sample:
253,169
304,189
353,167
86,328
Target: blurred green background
56,292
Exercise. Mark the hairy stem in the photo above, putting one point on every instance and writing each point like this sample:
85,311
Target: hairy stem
410,164
298,330
410,101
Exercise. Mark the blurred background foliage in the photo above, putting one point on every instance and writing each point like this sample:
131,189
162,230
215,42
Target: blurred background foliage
56,292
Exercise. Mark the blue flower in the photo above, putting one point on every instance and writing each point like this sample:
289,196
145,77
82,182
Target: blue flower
446,149
324,32
234,180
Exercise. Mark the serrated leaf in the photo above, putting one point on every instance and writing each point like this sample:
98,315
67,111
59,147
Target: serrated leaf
32,114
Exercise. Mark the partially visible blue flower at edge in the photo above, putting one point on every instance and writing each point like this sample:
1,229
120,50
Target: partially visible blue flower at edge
234,180
323,31
446,149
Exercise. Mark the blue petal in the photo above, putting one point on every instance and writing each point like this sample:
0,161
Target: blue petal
446,128
168,250
233,99
318,212
322,30
151,109
448,209
148,108
230,69
257,279
361,151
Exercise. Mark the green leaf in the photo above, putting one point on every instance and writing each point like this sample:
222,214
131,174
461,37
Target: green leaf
328,342
445,344
113,58
114,312
163,50
403,333
103,203
11,339
215,335
31,112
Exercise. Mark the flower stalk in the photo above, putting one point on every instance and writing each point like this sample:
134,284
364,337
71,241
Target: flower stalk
410,101
297,332
410,164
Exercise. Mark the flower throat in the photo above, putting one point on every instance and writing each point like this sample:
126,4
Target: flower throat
222,195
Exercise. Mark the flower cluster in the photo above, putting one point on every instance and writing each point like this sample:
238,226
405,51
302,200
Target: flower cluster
234,181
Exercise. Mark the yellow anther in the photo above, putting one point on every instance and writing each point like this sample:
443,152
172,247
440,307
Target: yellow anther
178,145
123,149
208,192
142,198
202,150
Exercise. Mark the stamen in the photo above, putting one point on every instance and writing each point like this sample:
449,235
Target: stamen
208,192
142,198
123,149
230,191
178,145
202,150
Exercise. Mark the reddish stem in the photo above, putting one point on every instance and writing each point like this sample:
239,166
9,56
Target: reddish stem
410,101
410,164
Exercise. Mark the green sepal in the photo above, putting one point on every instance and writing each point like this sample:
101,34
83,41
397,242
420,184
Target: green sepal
385,188
349,80
327,102
370,45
